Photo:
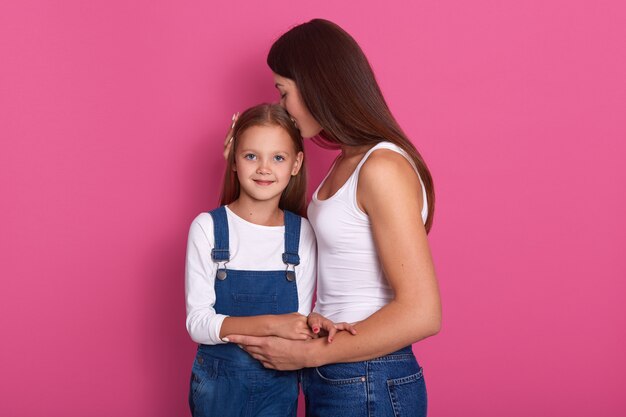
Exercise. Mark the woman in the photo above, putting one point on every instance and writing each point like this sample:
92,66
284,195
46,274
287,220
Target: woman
371,215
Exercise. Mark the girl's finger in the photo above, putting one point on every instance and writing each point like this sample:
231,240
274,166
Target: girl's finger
331,334
328,325
315,324
346,326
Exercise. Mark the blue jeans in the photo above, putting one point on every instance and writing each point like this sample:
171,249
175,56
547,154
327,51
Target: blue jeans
389,386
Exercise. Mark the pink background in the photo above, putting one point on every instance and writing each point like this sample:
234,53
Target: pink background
112,116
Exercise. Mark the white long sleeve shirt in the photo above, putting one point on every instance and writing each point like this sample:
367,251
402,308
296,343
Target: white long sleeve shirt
252,247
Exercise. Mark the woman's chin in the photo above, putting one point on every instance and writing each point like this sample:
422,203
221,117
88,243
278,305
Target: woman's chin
310,134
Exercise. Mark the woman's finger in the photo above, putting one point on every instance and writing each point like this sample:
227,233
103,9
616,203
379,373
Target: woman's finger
307,332
246,340
229,135
228,141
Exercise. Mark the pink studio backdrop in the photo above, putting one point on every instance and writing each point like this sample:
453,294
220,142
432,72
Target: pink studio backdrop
112,116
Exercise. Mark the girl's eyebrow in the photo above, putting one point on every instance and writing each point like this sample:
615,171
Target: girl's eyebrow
278,85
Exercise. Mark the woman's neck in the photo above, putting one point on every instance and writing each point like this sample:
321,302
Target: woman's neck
264,213
348,152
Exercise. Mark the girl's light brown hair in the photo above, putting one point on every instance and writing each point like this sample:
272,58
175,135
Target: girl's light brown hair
293,197
340,90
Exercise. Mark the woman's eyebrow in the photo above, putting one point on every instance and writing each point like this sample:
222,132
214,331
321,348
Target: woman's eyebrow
278,85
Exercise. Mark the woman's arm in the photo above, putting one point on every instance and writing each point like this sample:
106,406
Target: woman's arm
389,192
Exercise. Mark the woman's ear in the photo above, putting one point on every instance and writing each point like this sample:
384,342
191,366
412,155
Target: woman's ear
297,164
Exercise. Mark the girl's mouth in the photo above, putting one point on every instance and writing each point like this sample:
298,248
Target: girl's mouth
263,183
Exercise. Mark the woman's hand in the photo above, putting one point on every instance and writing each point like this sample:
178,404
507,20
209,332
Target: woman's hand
319,323
228,142
274,352
291,326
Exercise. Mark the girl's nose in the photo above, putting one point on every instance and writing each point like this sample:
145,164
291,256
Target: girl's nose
263,169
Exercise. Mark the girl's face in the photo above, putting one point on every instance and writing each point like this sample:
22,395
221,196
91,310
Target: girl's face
265,161
291,100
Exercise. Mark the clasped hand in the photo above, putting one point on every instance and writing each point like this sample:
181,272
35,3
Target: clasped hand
295,326
285,349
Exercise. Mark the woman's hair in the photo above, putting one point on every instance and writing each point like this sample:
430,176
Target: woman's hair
293,197
340,90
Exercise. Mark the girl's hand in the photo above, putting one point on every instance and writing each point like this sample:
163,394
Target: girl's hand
228,142
319,323
291,326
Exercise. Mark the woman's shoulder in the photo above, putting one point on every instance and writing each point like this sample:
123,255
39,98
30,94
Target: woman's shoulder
389,173
387,160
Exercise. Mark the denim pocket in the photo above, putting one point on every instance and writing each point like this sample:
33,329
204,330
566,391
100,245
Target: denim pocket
335,390
408,395
254,298
254,304
204,369
343,373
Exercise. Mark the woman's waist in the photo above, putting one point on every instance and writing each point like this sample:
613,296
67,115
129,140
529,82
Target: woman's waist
351,308
401,360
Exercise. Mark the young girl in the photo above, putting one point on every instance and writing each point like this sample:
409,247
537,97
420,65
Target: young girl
251,270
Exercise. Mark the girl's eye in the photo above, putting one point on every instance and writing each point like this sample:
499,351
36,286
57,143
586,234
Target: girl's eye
250,156
279,158
283,95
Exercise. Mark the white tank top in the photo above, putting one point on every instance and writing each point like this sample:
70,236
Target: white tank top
350,284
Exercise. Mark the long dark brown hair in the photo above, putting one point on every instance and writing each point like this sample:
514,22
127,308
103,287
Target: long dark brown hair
339,88
293,197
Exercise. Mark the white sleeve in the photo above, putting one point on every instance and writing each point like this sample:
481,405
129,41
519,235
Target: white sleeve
306,272
203,323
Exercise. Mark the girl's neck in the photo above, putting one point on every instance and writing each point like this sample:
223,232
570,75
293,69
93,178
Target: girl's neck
264,213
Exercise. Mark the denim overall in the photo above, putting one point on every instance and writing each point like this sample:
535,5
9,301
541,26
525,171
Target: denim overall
226,381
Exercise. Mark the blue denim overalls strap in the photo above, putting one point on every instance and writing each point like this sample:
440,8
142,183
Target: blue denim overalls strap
252,293
233,375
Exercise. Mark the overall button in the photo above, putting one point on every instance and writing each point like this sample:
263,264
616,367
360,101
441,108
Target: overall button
221,275
291,276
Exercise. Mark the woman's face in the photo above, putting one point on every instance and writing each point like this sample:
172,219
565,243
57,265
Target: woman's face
291,100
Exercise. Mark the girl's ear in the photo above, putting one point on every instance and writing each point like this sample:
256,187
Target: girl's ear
297,164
